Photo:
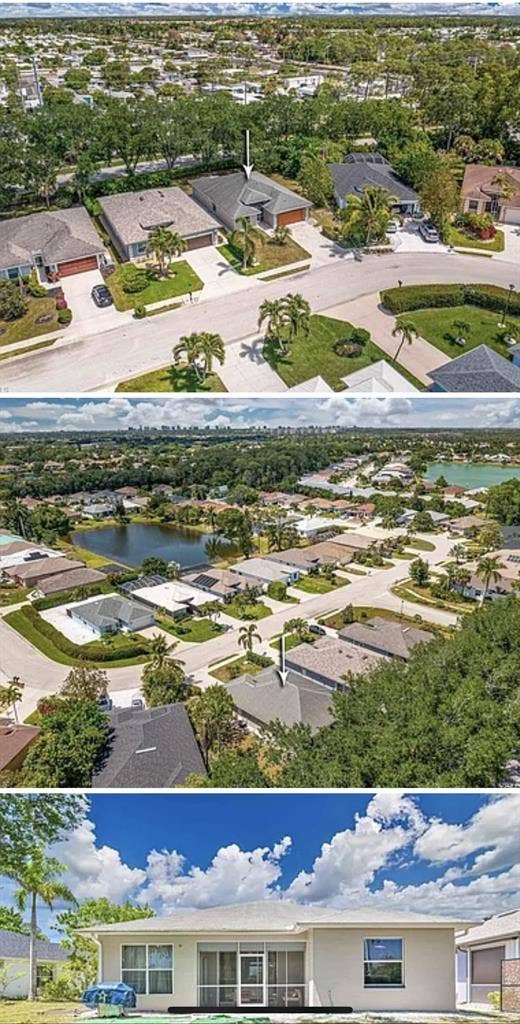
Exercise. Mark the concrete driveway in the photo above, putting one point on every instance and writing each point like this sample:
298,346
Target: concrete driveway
322,249
217,274
87,316
408,239
511,253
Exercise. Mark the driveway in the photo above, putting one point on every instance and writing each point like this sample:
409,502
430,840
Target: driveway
245,368
322,249
217,274
88,317
408,239
511,253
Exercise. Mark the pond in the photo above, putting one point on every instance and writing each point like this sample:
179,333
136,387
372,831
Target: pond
132,543
471,475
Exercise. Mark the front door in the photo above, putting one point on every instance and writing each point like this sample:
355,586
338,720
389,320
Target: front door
252,973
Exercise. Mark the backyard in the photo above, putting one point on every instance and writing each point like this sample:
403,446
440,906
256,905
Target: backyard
180,280
172,378
238,667
438,327
20,1011
27,326
269,255
191,631
115,651
314,355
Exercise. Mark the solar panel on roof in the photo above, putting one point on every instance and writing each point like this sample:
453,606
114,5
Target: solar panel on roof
204,580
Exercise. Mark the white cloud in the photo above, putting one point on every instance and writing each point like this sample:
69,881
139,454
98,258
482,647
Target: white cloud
95,871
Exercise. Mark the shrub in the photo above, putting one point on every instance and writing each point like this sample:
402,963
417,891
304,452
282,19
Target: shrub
277,590
494,999
345,347
360,336
259,659
64,317
140,312
13,305
428,296
34,287
133,279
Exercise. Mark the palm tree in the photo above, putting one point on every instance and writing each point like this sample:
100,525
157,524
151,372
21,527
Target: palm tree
165,244
211,346
194,346
369,213
298,316
407,332
273,311
297,626
280,535
38,878
245,239
161,652
10,695
248,635
458,552
281,234
462,328
488,570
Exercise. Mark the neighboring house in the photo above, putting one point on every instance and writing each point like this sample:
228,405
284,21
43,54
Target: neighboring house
480,952
69,581
18,552
174,596
353,542
263,571
312,526
149,748
359,170
385,636
394,471
130,217
476,589
14,955
378,377
466,526
63,242
480,369
31,573
481,192
97,510
408,515
262,698
314,556
111,614
258,198
329,661
278,955
15,741
219,584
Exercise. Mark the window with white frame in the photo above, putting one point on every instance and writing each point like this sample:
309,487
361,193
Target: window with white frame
383,963
148,968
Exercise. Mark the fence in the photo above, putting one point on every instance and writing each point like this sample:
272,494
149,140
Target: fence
510,986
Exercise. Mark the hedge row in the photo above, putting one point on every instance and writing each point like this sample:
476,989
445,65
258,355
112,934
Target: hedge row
156,179
428,296
95,651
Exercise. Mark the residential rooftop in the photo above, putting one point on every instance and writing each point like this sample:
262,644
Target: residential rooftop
59,236
133,215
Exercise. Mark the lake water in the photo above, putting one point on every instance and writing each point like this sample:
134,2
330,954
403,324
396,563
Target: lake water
133,543
470,476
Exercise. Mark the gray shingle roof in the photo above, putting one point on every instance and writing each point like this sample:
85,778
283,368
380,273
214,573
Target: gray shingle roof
495,928
480,369
332,659
264,699
60,236
112,610
273,915
14,945
41,567
236,196
155,747
386,636
134,214
361,169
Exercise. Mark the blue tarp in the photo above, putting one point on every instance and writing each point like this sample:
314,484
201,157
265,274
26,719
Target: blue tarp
114,993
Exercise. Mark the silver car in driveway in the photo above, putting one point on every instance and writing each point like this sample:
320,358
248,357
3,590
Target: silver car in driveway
428,231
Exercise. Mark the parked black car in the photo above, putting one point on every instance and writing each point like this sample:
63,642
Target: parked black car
101,295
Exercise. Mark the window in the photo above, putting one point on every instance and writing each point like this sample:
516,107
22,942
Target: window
148,969
383,963
473,205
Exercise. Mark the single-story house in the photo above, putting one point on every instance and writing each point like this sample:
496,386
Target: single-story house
69,581
176,597
408,515
466,526
480,369
15,741
264,571
476,589
384,636
355,542
314,556
278,955
312,526
112,613
61,242
379,377
14,954
481,192
17,552
360,170
329,661
219,584
31,573
481,951
262,698
131,216
149,748
97,510
258,198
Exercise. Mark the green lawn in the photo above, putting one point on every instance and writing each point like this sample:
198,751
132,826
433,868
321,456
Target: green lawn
172,378
460,238
192,631
420,545
318,584
293,640
20,1011
237,667
314,355
364,612
410,591
26,327
248,611
50,646
181,280
269,255
436,325
12,595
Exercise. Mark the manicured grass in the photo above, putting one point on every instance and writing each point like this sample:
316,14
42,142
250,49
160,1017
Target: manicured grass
90,558
237,667
460,238
364,612
315,355
13,353
20,1011
269,255
318,584
248,611
172,378
293,640
181,280
12,595
409,591
192,631
18,621
25,326
420,545
436,325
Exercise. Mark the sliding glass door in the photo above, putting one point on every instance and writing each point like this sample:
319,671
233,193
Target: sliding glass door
251,974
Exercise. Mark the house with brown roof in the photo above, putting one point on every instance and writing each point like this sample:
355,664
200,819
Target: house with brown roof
15,741
331,661
130,217
61,242
481,952
494,190
30,574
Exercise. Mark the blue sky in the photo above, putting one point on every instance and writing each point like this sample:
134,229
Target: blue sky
121,413
450,853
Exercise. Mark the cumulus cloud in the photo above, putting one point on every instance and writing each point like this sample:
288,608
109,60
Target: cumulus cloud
94,871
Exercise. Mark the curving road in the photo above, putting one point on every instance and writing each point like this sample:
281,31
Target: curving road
98,362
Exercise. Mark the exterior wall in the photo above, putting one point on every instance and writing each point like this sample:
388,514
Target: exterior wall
429,970
18,977
122,249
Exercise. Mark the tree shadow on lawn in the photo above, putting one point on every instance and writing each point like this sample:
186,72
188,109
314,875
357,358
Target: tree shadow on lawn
185,378
274,356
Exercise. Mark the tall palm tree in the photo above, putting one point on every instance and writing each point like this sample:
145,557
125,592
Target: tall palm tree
488,570
407,331
205,345
369,213
10,695
458,552
280,535
38,878
298,316
273,311
211,346
245,239
297,626
248,635
161,652
165,244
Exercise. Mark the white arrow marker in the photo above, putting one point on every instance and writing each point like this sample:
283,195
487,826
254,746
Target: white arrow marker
248,166
282,672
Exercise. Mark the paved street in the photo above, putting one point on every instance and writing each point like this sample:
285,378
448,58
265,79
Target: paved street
100,361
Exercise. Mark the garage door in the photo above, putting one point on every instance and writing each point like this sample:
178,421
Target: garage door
200,242
512,215
77,266
290,216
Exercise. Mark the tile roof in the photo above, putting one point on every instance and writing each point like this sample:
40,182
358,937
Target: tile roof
14,945
69,580
264,699
133,215
14,740
359,170
386,636
40,567
155,747
480,369
332,659
478,182
59,235
238,197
